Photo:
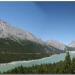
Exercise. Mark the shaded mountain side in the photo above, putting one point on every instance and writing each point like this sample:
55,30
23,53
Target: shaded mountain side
14,50
8,45
11,50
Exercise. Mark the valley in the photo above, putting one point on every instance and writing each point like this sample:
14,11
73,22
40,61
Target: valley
18,47
37,37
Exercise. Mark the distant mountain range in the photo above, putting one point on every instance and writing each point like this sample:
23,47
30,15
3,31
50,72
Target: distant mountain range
72,44
56,44
61,46
16,44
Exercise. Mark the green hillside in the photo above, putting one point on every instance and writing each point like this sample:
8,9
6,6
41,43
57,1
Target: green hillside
11,50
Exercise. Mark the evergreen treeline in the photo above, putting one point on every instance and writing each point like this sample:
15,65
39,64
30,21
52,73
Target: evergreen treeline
67,66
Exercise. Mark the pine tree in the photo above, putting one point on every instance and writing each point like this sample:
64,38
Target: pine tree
73,66
67,63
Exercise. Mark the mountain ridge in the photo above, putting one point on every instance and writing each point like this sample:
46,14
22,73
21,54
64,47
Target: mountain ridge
56,44
17,44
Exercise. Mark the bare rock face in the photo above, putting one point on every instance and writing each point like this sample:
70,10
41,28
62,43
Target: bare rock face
72,44
56,44
7,31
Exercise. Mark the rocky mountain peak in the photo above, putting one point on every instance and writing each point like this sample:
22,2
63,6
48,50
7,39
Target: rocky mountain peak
3,24
8,31
56,44
72,44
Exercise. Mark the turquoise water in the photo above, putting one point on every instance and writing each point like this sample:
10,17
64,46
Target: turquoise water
52,59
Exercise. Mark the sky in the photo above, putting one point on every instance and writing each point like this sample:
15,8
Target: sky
46,20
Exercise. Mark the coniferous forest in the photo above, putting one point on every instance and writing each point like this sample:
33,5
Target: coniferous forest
63,67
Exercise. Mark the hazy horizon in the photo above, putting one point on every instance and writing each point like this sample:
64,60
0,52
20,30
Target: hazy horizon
46,20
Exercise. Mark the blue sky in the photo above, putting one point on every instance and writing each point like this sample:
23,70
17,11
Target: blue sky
46,20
